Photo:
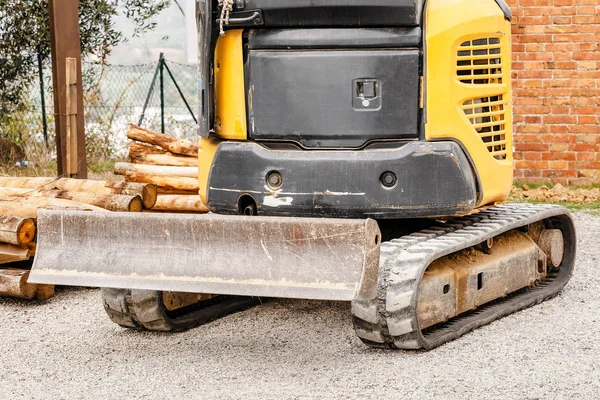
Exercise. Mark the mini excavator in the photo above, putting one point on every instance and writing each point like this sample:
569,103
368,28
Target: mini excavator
350,150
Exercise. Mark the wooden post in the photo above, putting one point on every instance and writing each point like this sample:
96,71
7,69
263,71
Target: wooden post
68,91
71,92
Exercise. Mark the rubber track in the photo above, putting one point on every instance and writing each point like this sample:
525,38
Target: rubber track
390,320
144,309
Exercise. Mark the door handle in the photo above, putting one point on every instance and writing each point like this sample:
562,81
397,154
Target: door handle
245,18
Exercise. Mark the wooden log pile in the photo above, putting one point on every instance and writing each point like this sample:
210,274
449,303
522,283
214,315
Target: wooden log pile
20,200
161,177
170,164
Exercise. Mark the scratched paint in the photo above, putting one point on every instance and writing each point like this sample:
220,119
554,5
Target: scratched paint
273,201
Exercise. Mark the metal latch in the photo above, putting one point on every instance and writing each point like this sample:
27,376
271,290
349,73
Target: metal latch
367,94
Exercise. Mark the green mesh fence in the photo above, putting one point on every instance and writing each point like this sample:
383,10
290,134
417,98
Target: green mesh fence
114,97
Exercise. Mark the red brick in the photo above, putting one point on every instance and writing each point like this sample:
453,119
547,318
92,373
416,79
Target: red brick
587,119
556,90
549,173
531,147
559,119
551,155
532,164
582,156
583,147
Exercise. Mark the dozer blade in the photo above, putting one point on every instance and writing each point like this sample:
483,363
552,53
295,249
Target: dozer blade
329,259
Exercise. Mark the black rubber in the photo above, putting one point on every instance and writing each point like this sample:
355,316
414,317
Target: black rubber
144,309
390,320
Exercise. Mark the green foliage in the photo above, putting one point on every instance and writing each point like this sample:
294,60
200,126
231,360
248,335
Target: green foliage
24,128
102,167
25,33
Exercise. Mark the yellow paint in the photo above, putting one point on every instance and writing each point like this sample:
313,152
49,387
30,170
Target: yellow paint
230,99
449,24
207,147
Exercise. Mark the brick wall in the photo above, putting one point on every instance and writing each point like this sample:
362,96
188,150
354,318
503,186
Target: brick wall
556,83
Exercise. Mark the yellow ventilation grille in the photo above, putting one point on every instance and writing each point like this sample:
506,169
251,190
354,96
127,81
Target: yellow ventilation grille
479,62
488,114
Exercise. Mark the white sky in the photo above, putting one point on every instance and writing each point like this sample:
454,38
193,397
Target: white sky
171,36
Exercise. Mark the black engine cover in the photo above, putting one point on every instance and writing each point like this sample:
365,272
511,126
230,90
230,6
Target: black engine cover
337,98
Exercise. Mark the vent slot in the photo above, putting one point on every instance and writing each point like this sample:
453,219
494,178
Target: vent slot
488,117
479,62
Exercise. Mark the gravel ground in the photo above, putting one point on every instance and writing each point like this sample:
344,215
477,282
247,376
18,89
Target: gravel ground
67,348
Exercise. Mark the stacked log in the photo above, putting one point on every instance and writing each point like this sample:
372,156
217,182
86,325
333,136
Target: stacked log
65,188
169,163
16,245
20,200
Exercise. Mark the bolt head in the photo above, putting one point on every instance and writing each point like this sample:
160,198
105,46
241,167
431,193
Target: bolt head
274,179
388,179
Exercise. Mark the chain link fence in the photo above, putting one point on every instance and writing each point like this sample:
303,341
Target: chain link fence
114,97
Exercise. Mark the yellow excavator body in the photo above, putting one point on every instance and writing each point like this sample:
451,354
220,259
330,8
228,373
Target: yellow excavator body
358,151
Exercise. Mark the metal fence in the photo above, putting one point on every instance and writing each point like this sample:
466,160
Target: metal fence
161,95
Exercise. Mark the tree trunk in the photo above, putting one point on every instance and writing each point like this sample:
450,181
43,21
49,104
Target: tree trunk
16,230
28,207
122,168
11,253
147,192
13,283
180,203
163,159
177,146
16,192
163,190
30,183
166,182
13,208
137,148
110,202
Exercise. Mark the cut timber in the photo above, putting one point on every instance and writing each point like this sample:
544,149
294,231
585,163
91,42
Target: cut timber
146,191
25,182
136,148
111,202
122,168
13,283
16,209
16,230
165,159
16,192
27,207
163,190
161,158
177,146
44,292
11,253
32,248
180,203
167,182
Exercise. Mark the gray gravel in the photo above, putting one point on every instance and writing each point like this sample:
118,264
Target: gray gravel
67,348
